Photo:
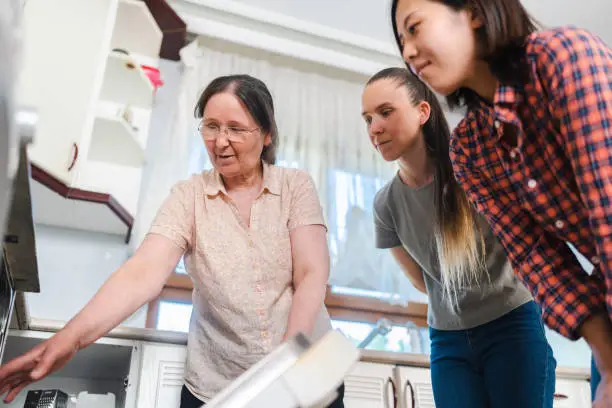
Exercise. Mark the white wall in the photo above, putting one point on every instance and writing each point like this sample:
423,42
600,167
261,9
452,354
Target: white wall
72,265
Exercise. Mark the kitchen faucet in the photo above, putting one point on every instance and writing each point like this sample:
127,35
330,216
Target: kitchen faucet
384,326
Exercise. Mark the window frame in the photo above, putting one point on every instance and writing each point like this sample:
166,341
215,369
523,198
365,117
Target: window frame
179,288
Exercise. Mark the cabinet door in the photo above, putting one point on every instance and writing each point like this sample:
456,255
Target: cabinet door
414,387
572,394
61,76
161,378
369,385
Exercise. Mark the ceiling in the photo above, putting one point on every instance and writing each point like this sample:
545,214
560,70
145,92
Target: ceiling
370,17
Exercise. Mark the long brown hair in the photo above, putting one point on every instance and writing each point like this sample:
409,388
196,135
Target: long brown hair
501,41
458,239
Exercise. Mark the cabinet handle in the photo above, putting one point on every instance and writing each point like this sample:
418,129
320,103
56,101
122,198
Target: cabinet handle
75,155
386,393
560,397
407,385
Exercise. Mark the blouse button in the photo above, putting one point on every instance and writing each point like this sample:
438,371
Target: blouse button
595,260
559,224
532,184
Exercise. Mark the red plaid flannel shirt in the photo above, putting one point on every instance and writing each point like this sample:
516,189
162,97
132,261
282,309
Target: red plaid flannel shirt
555,184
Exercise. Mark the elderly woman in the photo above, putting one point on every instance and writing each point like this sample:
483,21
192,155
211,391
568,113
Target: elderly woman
254,242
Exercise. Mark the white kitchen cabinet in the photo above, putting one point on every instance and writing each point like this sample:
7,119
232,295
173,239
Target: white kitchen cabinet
108,365
369,385
572,394
82,70
414,387
163,368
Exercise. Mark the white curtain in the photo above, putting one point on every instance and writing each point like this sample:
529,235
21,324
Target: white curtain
171,144
318,112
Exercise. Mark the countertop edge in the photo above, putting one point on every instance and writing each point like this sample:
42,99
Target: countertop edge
371,356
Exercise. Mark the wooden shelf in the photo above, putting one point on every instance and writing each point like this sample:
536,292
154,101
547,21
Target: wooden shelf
125,82
56,204
115,141
136,30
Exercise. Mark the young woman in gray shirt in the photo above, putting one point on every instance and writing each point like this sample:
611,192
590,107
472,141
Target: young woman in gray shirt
488,347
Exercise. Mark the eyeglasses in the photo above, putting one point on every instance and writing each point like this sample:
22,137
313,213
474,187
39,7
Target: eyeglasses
211,131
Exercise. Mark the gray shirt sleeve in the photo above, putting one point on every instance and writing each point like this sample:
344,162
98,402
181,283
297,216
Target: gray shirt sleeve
384,229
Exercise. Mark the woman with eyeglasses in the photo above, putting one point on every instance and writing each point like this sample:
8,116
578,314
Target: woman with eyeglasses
254,242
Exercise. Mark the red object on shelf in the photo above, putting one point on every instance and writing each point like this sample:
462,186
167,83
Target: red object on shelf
154,75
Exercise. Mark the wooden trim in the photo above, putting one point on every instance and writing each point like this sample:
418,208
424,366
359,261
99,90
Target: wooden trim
43,177
176,295
338,313
172,26
179,281
364,304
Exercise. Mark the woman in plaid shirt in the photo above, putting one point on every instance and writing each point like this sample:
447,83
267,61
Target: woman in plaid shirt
534,151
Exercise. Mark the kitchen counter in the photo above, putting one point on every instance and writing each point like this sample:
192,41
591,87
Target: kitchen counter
372,356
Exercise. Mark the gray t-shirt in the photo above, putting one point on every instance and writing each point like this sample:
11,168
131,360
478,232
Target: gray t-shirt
405,216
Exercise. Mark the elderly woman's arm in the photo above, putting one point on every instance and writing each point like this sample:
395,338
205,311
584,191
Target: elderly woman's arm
310,274
135,283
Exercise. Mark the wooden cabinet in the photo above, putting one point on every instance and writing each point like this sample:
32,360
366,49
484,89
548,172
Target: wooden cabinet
369,385
84,70
163,369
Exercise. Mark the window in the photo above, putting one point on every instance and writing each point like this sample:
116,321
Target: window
174,316
346,191
356,262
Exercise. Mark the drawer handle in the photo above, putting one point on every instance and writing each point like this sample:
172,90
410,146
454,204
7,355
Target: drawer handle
560,397
386,392
412,399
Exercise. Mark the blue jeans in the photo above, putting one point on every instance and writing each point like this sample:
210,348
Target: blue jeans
506,363
595,379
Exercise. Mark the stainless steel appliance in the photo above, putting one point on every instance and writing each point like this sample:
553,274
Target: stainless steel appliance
46,399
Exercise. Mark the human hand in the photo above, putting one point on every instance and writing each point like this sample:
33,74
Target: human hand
42,360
